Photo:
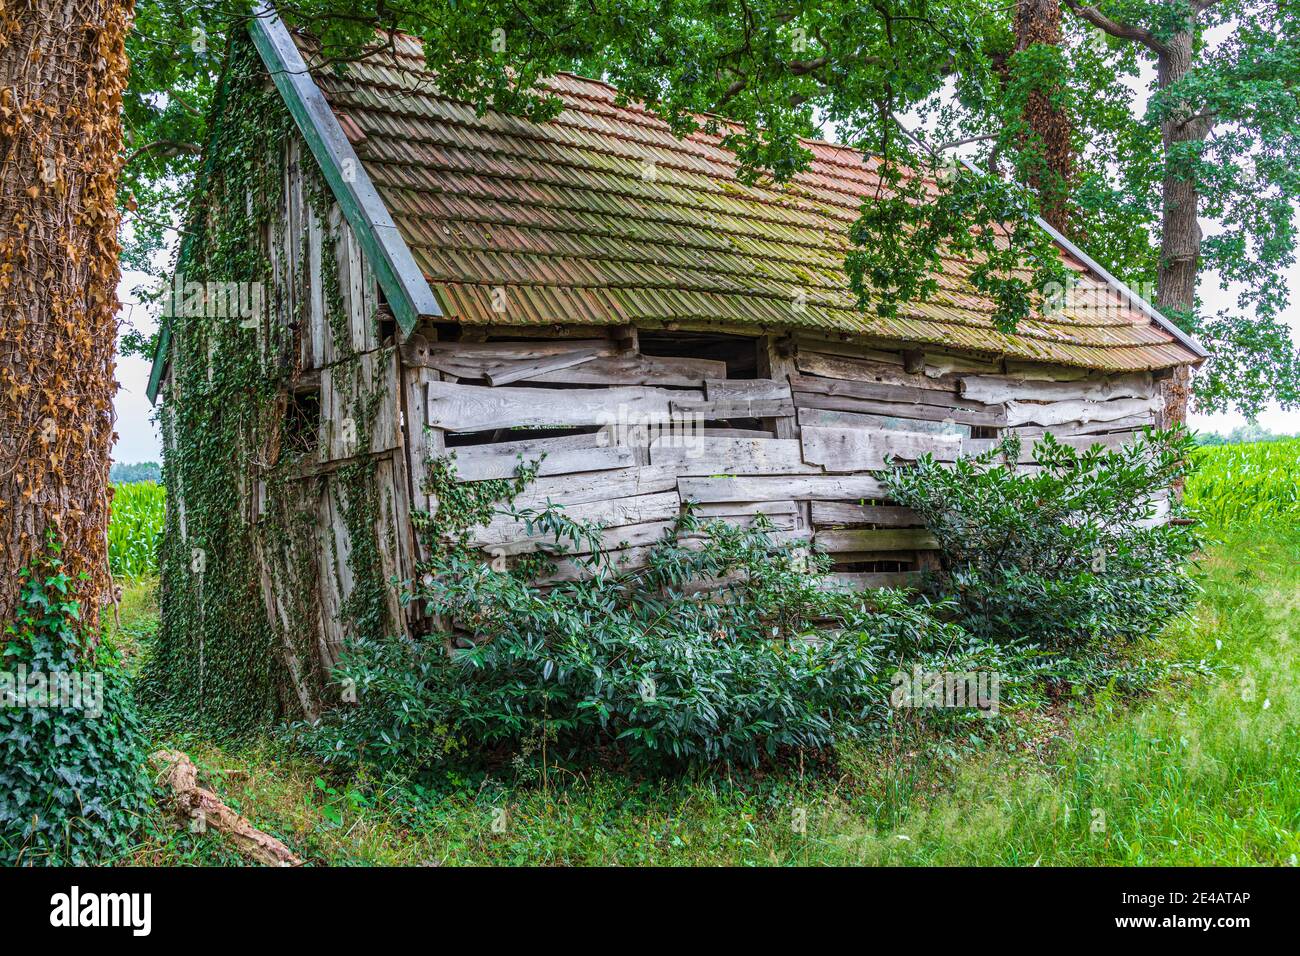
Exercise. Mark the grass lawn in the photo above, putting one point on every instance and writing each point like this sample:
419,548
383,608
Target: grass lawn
1204,771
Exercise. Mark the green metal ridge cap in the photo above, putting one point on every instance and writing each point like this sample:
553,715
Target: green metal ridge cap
404,285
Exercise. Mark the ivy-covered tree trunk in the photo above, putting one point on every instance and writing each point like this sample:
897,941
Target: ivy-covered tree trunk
1180,246
1039,21
63,67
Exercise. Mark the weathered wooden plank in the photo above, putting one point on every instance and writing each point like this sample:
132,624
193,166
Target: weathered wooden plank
978,446
864,539
629,559
794,487
731,456
883,392
730,509
1024,413
746,390
827,513
514,371
830,418
1129,423
612,513
993,417
562,456
855,350
716,411
868,580
1019,368
633,369
992,389
478,408
860,449
598,486
865,370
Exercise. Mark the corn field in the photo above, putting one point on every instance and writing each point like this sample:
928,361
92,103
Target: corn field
136,523
1251,484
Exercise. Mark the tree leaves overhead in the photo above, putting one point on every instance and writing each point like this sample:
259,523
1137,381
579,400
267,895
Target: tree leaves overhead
778,70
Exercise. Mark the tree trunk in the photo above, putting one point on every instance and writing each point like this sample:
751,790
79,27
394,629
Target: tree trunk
63,67
1039,21
1180,234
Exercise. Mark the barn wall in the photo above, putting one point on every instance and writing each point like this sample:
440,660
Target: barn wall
793,428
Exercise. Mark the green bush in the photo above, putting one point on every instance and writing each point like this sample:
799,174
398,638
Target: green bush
72,784
631,662
1062,555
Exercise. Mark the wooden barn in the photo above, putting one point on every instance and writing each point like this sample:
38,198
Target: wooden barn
431,280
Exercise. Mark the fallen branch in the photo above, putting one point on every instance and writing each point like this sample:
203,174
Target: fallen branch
195,803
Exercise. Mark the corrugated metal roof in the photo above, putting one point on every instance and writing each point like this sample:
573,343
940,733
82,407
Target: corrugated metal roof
603,216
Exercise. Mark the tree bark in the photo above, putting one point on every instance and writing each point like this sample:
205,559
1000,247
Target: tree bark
63,67
1039,21
1180,234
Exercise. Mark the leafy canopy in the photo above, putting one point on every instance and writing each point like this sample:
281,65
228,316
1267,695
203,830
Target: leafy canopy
781,68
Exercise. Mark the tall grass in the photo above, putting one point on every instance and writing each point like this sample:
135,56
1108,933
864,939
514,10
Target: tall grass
134,527
1246,485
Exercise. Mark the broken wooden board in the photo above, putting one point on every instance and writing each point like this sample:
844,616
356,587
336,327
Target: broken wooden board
558,456
633,369
794,487
993,389
468,408
509,372
829,418
864,370
993,417
597,486
691,456
847,450
978,446
505,530
830,513
1025,413
717,411
869,580
746,390
866,539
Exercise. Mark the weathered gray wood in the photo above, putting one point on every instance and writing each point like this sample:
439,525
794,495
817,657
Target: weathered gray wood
1023,413
731,456
939,364
847,450
611,513
993,417
865,370
794,487
632,369
978,446
860,539
1129,423
1018,368
717,411
883,392
827,513
993,389
730,509
746,390
598,486
474,408
513,372
868,580
830,418
837,346
562,456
